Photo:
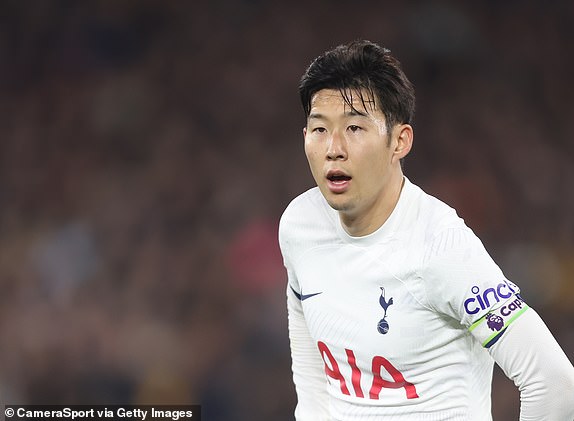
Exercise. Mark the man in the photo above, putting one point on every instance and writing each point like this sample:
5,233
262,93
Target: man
396,311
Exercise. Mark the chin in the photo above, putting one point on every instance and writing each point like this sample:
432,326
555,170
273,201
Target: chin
339,203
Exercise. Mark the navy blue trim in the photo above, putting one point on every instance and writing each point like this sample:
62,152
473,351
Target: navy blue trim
296,293
495,339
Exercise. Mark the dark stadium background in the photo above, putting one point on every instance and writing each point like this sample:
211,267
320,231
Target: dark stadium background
148,148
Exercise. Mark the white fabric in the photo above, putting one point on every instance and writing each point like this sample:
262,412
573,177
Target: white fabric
399,319
531,357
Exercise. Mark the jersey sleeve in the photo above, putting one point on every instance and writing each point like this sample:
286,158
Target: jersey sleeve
462,281
307,365
530,356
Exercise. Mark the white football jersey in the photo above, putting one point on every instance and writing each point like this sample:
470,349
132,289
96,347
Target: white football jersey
394,325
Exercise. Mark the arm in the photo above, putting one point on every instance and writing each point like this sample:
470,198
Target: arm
307,365
530,356
308,372
461,272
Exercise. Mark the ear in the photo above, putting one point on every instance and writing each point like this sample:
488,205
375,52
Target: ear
404,141
305,131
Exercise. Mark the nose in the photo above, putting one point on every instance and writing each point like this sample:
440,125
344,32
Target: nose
336,148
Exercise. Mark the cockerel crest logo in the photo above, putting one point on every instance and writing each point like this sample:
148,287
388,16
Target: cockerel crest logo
383,325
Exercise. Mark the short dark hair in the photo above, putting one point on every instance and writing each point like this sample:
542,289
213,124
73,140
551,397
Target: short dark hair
362,67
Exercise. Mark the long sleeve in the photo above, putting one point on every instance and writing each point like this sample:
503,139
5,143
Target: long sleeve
530,356
308,372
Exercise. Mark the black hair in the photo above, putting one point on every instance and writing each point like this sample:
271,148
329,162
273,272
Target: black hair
358,68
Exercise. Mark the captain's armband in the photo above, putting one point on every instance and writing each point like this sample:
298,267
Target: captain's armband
491,326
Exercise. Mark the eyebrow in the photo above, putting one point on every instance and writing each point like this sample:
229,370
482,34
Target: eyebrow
350,113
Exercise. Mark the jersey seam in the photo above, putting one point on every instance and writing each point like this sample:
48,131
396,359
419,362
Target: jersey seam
425,265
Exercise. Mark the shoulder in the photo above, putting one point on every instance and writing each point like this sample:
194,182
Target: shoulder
305,220
309,201
430,215
427,227
442,232
454,263
307,211
304,210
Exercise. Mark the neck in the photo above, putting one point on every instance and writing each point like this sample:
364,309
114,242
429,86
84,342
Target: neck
376,214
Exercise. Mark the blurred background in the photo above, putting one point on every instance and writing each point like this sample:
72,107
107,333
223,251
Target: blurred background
148,148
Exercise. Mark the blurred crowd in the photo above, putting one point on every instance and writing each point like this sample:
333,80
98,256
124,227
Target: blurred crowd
147,150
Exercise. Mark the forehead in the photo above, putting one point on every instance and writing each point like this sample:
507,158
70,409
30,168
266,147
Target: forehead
350,100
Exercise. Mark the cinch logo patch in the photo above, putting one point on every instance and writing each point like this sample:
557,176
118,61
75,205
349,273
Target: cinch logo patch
481,300
489,328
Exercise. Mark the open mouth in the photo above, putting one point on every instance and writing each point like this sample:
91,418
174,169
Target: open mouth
338,182
337,177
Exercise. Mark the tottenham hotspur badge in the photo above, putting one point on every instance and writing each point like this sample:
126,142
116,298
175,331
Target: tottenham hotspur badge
383,325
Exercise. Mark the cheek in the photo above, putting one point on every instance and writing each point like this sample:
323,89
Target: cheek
376,165
312,157
380,155
311,151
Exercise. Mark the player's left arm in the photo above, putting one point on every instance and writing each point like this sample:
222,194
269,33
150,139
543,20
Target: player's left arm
529,355
469,286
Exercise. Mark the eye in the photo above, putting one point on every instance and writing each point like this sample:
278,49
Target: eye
354,128
319,130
